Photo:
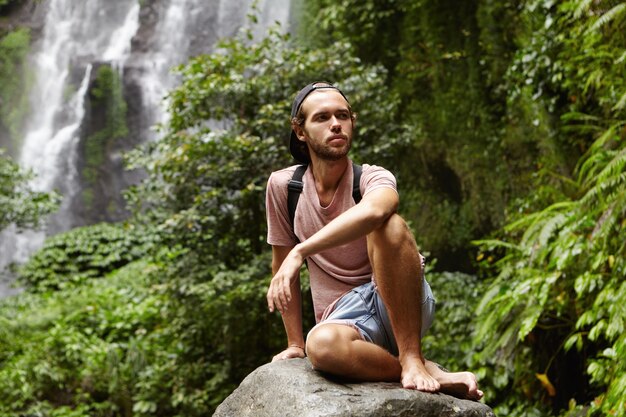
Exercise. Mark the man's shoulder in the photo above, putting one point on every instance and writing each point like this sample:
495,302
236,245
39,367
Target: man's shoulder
375,176
282,176
369,169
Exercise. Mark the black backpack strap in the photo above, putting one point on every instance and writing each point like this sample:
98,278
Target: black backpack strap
294,189
356,184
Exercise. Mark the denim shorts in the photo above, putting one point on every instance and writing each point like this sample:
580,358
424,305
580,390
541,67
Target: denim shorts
363,309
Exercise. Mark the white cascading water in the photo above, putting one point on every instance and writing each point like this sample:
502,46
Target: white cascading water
74,35
79,33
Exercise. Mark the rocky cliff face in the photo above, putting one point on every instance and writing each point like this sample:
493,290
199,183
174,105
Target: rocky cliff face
25,13
293,389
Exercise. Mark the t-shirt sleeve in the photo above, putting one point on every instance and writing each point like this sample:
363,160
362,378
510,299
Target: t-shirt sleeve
374,177
279,231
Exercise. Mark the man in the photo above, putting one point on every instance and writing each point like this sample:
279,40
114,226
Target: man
371,302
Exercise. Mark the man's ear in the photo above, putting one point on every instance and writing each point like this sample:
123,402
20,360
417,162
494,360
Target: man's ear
298,130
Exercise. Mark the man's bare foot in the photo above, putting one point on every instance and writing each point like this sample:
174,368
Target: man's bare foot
415,376
459,384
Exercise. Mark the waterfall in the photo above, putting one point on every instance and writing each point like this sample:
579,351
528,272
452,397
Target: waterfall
142,41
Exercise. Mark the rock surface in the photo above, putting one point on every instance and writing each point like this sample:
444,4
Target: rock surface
293,388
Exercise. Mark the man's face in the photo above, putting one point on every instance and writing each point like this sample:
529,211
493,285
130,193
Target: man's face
328,125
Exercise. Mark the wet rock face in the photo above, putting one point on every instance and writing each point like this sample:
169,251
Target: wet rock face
292,388
25,13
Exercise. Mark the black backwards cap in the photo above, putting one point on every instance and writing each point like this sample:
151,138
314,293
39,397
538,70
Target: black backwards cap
298,148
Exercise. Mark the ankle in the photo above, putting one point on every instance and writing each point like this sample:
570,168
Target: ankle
412,357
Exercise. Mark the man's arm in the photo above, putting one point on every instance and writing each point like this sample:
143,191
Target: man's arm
292,316
373,210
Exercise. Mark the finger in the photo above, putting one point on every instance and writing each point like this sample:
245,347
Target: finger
270,302
287,287
281,298
271,305
284,292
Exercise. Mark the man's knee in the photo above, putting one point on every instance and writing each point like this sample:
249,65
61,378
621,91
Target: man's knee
393,233
326,346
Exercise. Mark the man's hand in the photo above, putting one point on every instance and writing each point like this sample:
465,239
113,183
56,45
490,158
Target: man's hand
289,353
279,292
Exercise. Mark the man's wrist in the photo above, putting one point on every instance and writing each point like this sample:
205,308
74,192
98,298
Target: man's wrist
299,251
296,345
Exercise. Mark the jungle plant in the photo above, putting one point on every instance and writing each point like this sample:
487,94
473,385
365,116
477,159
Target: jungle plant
554,316
71,258
19,203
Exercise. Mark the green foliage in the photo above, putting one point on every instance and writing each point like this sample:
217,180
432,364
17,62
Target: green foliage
14,47
554,316
83,351
223,329
19,204
108,100
140,342
488,113
71,258
449,341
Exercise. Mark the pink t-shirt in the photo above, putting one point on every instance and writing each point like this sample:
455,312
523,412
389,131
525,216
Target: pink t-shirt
335,271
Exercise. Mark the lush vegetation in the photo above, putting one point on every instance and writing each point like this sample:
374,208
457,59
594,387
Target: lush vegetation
14,47
107,100
20,205
505,124
558,300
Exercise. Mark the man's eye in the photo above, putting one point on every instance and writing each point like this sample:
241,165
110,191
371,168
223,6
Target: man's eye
343,116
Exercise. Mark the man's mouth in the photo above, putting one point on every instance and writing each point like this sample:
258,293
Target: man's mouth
337,139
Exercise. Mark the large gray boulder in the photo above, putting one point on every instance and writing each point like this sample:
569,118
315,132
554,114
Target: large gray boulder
292,388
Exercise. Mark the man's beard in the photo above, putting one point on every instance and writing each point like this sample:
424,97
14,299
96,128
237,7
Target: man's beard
328,153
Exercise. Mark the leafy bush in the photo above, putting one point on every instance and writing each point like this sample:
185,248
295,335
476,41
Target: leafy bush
72,258
19,204
449,342
124,345
14,74
553,320
84,350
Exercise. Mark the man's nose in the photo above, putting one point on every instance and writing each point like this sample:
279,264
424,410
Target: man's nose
335,124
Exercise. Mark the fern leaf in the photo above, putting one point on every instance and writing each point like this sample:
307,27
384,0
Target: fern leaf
605,228
593,80
575,116
605,191
600,144
607,17
582,8
539,220
588,171
616,166
620,104
495,243
550,227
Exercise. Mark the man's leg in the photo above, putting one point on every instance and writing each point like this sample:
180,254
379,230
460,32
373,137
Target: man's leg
339,350
397,268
